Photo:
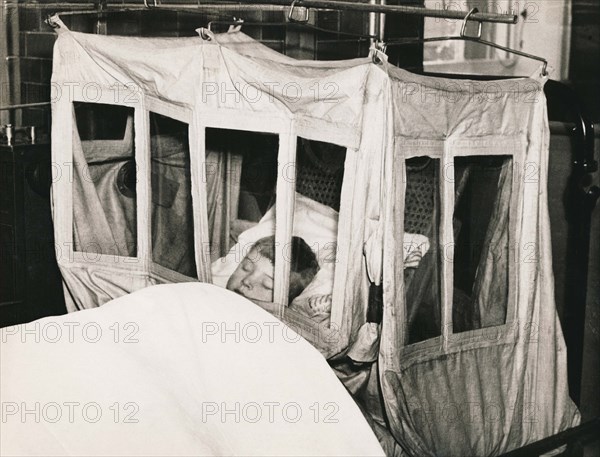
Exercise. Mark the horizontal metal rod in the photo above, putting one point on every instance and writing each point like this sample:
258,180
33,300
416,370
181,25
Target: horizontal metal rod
90,8
23,105
280,5
402,9
582,433
211,8
45,6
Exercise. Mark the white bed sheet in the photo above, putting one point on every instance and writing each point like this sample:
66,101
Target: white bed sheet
205,372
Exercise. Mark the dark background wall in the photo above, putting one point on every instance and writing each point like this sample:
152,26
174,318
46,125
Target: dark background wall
584,65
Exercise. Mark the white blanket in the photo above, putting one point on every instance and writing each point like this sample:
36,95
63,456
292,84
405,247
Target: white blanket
181,369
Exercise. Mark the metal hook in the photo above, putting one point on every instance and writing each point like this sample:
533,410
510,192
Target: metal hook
463,29
148,6
378,46
51,22
291,13
205,36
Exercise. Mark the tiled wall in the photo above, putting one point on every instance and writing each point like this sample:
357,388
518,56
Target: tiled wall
29,42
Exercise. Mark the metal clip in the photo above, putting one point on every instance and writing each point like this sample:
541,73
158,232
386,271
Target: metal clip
9,134
291,13
51,22
378,47
205,36
463,29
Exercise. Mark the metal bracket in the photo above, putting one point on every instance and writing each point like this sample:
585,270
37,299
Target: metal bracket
51,22
463,28
290,15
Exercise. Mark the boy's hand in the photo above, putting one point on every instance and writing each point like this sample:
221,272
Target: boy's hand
320,304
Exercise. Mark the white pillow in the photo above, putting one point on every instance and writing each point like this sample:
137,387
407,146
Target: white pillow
320,290
314,222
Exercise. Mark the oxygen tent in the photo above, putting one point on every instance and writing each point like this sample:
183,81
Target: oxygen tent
185,151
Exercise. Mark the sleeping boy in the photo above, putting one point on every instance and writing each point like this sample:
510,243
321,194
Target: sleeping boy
254,276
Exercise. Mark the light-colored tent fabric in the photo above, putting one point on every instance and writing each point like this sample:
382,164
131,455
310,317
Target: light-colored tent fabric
489,390
144,376
292,102
383,116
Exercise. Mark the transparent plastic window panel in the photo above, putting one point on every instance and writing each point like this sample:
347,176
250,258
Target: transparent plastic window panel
240,176
422,273
319,178
483,188
172,215
104,180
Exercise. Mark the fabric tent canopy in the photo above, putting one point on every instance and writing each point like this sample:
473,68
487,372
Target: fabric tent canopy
512,386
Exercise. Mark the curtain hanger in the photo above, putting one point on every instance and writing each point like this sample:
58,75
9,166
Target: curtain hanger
463,36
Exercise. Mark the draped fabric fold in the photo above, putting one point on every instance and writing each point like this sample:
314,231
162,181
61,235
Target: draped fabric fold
491,280
484,391
222,188
99,212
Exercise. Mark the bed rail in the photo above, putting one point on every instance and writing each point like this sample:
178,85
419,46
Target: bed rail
574,439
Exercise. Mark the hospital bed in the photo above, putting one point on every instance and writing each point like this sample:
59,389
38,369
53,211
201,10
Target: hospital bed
373,202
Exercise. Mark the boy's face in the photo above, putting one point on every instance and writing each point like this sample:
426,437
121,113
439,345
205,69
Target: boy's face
253,278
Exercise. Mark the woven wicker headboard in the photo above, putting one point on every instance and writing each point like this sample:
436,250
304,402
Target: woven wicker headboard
322,182
320,172
420,194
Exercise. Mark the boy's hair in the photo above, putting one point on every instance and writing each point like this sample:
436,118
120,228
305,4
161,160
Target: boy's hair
303,262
